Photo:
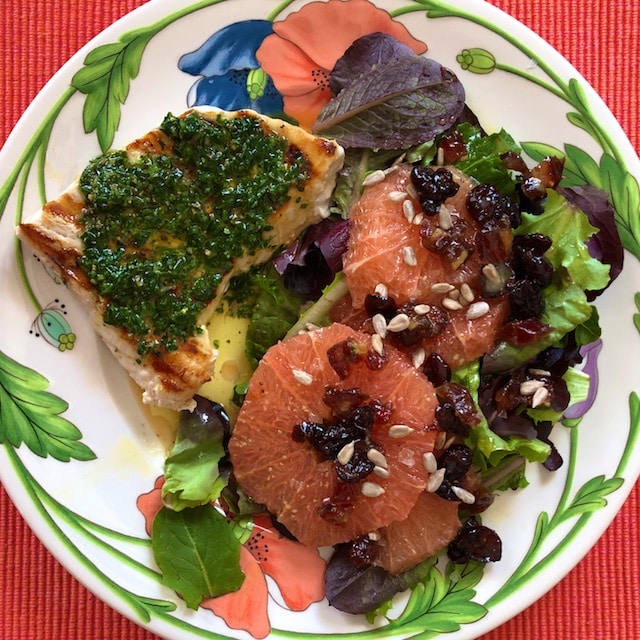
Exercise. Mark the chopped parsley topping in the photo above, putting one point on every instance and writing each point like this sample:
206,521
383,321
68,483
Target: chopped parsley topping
161,230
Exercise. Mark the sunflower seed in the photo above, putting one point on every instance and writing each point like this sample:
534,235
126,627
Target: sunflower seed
441,440
467,293
477,310
422,309
451,304
463,495
539,397
409,210
399,431
398,323
441,288
430,462
418,357
381,472
302,377
397,196
381,289
375,177
529,387
435,480
491,273
379,323
371,489
377,457
417,220
346,453
440,157
539,372
409,256
376,344
454,294
412,191
374,536
445,221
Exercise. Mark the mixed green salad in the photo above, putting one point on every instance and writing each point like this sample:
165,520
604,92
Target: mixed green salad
391,106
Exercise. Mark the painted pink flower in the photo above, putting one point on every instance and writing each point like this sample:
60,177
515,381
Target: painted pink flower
297,570
305,46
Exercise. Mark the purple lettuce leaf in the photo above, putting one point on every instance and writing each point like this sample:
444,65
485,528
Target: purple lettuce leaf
399,103
364,55
310,263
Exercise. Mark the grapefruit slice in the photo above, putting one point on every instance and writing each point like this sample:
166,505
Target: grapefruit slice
382,235
291,478
431,525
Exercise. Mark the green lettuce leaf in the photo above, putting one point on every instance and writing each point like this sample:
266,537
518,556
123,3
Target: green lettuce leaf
192,475
569,228
566,304
491,449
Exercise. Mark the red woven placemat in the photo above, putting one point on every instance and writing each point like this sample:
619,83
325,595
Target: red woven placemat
599,600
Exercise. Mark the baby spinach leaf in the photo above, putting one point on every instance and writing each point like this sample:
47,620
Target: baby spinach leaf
192,475
197,553
397,104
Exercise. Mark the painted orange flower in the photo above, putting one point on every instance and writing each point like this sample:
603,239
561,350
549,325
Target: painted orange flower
297,570
305,46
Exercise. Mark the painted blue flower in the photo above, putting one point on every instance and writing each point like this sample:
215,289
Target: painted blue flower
232,77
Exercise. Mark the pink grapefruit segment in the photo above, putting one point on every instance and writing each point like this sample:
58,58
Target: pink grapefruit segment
291,478
382,234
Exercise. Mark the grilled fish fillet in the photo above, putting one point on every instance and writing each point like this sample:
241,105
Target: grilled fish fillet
170,378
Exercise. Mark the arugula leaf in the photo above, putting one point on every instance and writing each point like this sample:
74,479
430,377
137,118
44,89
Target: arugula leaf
192,476
483,159
197,553
397,104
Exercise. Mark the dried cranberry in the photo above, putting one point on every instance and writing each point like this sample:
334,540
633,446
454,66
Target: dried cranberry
454,146
456,461
454,244
336,508
525,300
362,551
375,303
490,208
520,333
462,402
422,325
343,401
434,186
529,264
343,355
475,542
358,466
436,369
538,242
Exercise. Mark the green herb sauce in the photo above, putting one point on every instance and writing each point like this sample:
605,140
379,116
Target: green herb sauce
160,231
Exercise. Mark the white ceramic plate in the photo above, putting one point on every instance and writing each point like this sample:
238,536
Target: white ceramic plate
63,397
